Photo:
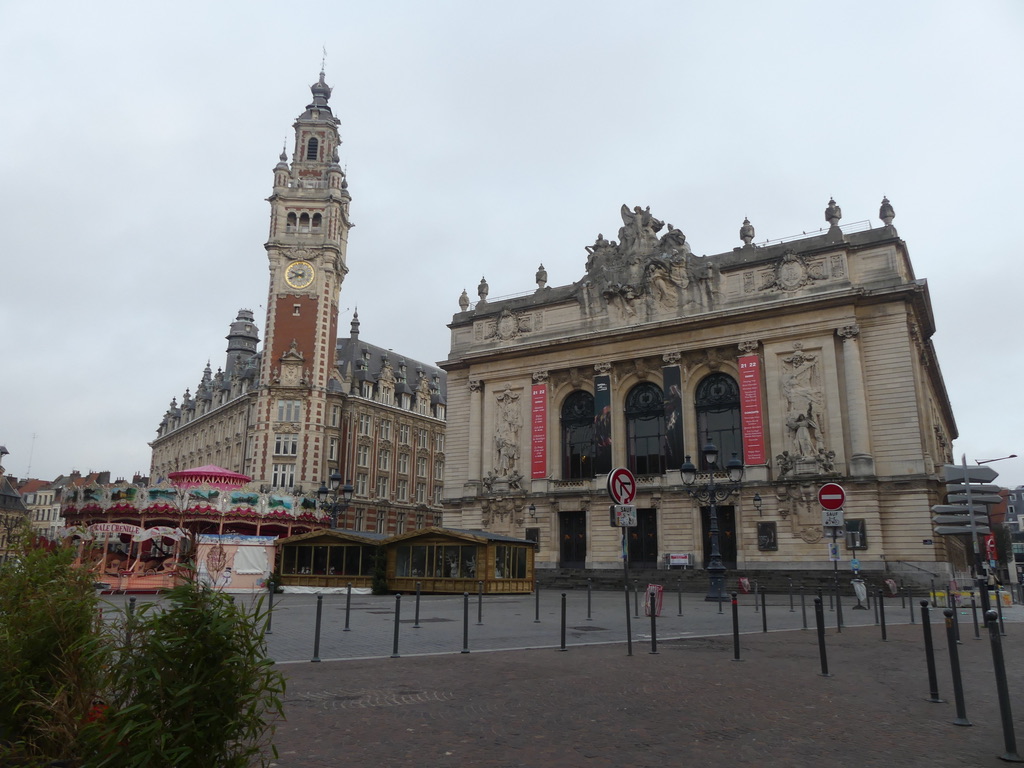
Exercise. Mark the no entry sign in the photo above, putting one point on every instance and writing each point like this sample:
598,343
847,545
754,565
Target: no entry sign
831,496
621,485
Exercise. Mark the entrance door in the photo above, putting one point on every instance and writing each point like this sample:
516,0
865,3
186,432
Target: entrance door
573,537
643,540
726,534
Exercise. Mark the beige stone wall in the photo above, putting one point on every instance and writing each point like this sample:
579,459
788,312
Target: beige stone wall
840,326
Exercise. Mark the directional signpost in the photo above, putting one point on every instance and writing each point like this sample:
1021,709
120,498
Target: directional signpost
969,490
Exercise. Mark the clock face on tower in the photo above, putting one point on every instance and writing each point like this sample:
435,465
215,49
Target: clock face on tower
299,274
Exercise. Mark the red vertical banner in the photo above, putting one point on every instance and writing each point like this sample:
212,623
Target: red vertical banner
752,415
539,431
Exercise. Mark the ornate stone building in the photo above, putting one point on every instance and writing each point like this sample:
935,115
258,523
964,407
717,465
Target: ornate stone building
809,358
310,404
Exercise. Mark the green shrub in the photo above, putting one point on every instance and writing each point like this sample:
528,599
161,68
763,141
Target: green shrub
51,657
191,686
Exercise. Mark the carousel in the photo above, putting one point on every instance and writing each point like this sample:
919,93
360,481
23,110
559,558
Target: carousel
208,520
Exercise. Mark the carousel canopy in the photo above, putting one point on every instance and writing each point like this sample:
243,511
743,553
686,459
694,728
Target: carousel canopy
209,474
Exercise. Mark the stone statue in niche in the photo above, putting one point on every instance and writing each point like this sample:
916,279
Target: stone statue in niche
801,386
508,423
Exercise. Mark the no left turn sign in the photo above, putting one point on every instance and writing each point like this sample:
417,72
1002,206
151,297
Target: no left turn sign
621,485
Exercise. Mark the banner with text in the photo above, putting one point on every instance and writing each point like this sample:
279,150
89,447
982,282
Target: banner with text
539,431
752,414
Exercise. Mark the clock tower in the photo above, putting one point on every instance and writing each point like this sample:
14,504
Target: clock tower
309,227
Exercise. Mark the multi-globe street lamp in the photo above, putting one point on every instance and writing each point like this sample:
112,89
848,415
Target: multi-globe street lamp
713,494
333,507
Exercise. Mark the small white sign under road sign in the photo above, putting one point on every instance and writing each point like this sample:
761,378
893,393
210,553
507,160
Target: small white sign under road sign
832,518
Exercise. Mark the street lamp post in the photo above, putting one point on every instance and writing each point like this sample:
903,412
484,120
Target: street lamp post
712,494
334,507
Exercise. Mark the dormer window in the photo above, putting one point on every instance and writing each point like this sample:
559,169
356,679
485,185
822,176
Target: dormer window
313,150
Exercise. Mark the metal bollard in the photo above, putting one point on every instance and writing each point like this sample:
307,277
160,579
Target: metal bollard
910,599
398,617
999,665
735,628
654,620
680,595
999,608
839,611
590,589
932,595
803,606
903,599
465,622
881,613
348,607
929,652
536,602
562,648
270,608
954,666
819,620
791,608
764,614
316,632
974,613
756,600
629,627
416,621
480,604
636,599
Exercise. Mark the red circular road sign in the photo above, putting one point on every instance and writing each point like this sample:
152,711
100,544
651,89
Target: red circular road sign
621,485
831,496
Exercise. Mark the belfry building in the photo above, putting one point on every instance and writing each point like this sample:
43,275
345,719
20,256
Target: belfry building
808,359
309,404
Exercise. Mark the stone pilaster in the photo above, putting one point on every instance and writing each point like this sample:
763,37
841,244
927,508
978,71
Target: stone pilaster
861,461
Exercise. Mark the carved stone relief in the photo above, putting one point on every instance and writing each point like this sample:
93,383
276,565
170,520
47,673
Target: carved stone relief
507,326
643,275
790,273
798,506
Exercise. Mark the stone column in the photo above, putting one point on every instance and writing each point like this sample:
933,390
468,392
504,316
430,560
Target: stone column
861,461
476,403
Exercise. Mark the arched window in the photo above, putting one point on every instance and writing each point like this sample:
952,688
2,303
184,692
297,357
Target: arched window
304,223
313,150
292,222
317,221
578,436
645,429
718,416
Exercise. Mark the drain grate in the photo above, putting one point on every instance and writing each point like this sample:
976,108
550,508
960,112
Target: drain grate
589,629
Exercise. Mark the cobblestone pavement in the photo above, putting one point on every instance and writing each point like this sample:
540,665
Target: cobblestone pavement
594,706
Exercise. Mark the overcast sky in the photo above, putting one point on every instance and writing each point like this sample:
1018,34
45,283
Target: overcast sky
137,142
